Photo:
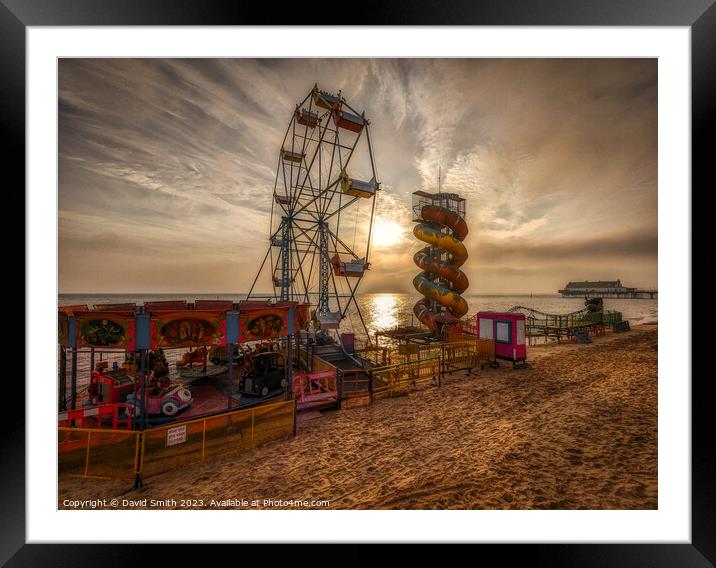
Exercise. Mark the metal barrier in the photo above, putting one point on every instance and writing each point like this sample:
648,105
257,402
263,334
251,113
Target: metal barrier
167,447
316,389
412,352
467,354
399,379
376,354
485,351
101,453
355,387
104,453
459,355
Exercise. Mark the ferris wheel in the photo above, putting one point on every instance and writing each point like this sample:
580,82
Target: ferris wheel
322,210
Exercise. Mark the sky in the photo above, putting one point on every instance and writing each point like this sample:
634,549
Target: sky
167,167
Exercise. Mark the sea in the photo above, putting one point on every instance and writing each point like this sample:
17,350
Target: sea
379,312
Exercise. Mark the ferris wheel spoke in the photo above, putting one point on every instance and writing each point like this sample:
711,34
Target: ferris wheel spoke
313,201
341,208
316,151
348,249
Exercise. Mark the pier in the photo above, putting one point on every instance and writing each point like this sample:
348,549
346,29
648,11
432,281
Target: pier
628,294
607,289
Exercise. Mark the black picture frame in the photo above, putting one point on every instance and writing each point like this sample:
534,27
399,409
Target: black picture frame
699,15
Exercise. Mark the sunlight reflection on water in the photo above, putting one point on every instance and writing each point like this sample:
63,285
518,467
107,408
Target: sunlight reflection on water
384,308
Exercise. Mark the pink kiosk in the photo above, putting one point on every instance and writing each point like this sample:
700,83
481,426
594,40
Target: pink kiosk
508,331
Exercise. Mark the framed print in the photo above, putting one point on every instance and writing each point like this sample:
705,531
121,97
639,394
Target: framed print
276,245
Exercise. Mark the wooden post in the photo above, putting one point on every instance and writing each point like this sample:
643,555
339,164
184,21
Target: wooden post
252,426
295,420
137,466
91,359
87,454
73,380
230,351
203,440
142,387
289,369
339,385
297,355
63,379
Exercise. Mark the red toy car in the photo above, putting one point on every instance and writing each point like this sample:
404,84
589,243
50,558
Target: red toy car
119,385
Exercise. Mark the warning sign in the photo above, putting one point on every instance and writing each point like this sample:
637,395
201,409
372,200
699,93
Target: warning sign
176,436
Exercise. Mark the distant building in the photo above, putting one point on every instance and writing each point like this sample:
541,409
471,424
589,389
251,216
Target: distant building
597,287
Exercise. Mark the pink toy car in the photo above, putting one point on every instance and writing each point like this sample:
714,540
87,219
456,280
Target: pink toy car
166,402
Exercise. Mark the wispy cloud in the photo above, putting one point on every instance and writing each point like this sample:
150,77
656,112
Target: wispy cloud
171,163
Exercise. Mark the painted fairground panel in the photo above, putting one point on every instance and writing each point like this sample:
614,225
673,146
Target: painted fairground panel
303,317
263,323
105,329
188,329
62,328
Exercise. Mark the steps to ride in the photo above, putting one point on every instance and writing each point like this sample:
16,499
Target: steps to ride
579,335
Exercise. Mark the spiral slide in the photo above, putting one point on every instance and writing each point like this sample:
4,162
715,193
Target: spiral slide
430,232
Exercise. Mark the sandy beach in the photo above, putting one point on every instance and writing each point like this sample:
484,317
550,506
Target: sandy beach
576,430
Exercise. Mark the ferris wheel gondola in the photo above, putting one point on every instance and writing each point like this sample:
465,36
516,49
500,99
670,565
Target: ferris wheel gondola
319,242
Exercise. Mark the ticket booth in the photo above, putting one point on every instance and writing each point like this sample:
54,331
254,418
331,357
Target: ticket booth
508,331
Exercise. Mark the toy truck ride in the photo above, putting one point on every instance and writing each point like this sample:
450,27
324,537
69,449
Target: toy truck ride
265,373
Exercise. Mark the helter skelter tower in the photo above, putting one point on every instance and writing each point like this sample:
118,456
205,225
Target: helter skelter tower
440,223
322,213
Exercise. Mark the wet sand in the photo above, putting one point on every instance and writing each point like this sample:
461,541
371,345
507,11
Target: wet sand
576,430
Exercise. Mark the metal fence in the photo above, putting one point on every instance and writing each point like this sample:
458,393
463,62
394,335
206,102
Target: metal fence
124,454
467,354
167,447
355,387
376,354
414,366
87,452
399,379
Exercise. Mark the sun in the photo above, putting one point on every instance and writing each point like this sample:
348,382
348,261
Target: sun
386,233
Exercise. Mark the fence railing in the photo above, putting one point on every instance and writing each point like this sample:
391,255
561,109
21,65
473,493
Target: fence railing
124,454
318,388
378,355
101,453
399,379
412,352
467,354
